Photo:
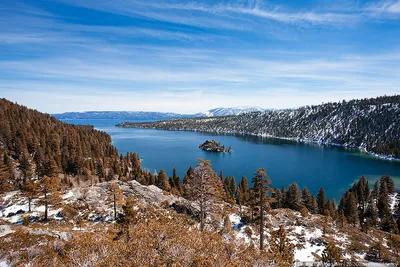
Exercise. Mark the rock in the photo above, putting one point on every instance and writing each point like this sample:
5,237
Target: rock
5,230
214,146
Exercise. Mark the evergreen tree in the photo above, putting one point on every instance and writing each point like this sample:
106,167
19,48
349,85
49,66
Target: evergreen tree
372,213
31,190
321,201
243,192
281,248
49,187
136,168
363,196
314,205
5,174
261,192
375,190
201,188
351,208
25,166
175,182
293,197
383,200
283,194
116,196
389,182
331,256
186,180
306,199
277,195
162,181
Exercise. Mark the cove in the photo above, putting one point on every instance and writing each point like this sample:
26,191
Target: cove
307,164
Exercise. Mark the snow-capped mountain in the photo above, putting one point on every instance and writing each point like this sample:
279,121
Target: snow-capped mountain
149,115
216,112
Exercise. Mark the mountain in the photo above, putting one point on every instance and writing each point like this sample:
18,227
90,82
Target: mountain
152,116
216,112
123,115
372,125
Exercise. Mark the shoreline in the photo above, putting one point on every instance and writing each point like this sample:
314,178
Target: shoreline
296,139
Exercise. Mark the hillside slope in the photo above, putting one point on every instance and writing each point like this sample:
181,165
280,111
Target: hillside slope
82,232
370,124
35,144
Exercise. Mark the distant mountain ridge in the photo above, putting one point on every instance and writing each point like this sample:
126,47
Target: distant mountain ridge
217,112
149,115
372,125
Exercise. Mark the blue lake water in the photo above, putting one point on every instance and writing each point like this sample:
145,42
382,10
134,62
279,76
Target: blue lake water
314,166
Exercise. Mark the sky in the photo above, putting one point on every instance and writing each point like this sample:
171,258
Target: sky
191,56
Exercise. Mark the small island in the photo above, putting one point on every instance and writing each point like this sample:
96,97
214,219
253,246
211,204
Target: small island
214,147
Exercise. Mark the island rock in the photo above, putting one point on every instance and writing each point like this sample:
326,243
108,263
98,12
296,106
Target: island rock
214,146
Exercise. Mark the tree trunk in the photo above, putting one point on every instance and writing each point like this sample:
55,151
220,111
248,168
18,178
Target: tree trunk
45,207
115,208
261,223
201,218
29,204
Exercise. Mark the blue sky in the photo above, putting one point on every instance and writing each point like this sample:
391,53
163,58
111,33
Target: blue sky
190,56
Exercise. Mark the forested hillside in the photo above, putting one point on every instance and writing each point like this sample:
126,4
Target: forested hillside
370,124
33,144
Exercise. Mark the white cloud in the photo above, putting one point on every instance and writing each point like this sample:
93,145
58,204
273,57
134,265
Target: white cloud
382,7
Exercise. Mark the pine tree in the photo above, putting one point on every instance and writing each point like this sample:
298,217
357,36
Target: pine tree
116,196
283,194
49,187
162,181
321,201
389,182
281,248
352,211
243,192
176,183
186,180
293,197
261,192
341,218
31,190
129,216
277,195
331,255
136,168
201,188
383,200
313,205
375,190
363,196
25,166
306,198
372,213
5,174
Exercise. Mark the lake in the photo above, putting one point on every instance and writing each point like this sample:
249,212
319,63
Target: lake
311,165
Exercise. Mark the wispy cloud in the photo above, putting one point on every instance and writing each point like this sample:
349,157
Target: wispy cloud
226,16
385,7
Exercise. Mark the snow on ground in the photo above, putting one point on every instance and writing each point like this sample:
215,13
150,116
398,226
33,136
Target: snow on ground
5,230
9,195
70,194
306,253
393,200
13,209
235,220
3,263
